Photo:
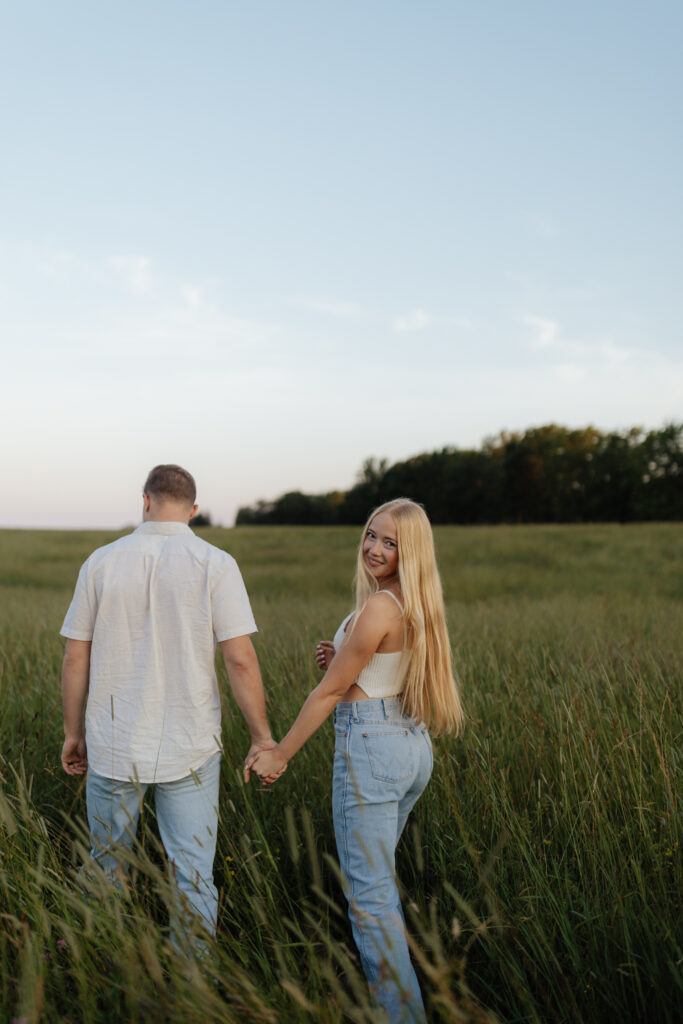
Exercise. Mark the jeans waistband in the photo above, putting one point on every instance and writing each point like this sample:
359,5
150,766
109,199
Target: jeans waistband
380,709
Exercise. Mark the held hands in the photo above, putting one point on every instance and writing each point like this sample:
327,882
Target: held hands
75,756
324,653
257,746
269,765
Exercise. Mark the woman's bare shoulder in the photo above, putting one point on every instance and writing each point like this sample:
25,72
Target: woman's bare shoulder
384,605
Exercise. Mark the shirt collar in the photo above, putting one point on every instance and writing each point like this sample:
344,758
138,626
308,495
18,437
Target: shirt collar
163,527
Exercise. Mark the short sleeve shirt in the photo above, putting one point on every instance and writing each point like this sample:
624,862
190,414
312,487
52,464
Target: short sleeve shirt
154,604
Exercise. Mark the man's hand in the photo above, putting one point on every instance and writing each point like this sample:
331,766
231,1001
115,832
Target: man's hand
269,765
75,756
257,747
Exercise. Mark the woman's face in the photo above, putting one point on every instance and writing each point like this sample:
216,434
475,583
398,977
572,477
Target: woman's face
380,548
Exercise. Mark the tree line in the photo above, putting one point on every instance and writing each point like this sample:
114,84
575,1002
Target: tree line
547,474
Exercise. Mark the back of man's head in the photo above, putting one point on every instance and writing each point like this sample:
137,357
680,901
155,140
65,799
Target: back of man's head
170,483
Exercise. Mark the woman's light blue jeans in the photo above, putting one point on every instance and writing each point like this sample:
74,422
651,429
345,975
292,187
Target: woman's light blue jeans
382,763
187,815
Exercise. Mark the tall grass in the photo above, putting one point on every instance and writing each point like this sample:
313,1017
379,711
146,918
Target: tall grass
541,868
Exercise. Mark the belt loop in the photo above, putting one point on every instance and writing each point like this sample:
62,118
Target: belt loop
384,707
354,706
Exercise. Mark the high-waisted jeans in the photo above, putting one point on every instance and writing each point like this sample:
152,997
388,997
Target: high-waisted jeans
382,763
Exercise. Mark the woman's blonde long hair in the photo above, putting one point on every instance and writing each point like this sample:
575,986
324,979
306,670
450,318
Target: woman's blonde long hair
430,693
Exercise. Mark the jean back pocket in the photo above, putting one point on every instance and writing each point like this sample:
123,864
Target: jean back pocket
390,754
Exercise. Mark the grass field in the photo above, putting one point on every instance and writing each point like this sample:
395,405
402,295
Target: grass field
542,866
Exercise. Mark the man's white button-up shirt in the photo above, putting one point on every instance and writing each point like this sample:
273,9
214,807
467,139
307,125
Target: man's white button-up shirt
154,604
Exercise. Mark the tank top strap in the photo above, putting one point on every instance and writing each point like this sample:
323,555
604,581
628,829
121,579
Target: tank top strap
394,597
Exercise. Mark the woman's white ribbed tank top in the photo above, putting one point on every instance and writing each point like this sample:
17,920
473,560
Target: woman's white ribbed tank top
384,675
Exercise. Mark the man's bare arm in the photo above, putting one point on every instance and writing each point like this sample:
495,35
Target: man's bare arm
247,687
75,681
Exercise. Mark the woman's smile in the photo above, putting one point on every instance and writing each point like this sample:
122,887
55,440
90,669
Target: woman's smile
380,547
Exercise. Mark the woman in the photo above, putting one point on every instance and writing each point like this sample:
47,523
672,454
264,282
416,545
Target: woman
388,672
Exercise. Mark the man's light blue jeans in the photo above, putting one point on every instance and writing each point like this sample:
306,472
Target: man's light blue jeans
187,815
382,763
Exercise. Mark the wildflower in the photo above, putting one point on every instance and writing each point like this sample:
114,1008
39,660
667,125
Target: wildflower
547,842
61,943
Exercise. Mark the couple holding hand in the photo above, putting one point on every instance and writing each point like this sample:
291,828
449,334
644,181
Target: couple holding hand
139,681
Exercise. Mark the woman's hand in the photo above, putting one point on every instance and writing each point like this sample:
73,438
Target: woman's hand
269,765
324,653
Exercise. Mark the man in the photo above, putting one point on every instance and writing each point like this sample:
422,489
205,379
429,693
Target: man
141,633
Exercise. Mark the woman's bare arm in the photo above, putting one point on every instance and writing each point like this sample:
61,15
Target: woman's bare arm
373,625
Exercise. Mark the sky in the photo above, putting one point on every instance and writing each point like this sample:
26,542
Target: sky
270,240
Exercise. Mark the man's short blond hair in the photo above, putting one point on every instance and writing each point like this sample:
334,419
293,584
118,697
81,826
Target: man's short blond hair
170,483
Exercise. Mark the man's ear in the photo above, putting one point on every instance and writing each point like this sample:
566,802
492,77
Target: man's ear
193,513
146,502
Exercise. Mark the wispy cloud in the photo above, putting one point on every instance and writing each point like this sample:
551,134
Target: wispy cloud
416,320
195,295
178,320
134,270
547,332
420,319
328,307
598,354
